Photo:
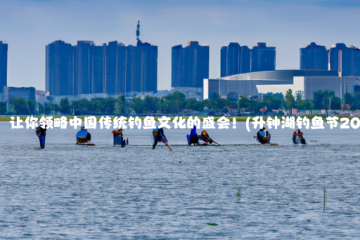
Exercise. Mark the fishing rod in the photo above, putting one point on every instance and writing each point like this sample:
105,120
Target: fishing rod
210,139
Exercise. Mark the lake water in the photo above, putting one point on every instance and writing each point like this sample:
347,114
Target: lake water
103,192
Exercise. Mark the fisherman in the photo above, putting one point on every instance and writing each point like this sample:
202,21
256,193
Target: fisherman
263,136
194,138
119,132
205,137
301,136
159,135
298,133
41,133
83,136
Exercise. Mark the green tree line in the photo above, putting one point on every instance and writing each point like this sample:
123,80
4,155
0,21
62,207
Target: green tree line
177,103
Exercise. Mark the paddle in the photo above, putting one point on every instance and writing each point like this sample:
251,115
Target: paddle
168,146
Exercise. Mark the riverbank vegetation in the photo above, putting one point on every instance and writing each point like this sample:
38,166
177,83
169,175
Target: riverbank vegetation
177,104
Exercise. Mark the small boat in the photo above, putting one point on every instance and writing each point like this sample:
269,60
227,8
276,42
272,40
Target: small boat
297,139
118,141
264,140
86,144
84,141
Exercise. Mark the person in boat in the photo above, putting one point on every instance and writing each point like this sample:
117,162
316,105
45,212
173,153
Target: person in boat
83,136
298,133
159,136
41,133
263,136
205,137
301,136
119,132
194,138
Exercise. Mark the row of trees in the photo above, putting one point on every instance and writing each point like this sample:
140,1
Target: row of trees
177,103
321,100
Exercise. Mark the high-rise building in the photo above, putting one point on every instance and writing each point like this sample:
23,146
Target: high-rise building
59,69
313,57
146,66
97,66
3,64
112,68
130,69
235,59
83,67
345,60
263,58
189,65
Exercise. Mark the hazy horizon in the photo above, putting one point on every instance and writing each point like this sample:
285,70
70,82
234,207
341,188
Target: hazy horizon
29,25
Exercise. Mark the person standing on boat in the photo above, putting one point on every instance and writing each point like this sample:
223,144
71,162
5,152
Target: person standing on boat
159,135
194,138
41,133
119,132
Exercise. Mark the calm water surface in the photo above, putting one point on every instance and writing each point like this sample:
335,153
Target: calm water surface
104,192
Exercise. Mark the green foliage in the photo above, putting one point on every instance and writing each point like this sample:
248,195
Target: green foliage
348,98
98,105
318,97
244,102
216,96
173,103
327,100
151,104
41,108
233,98
32,106
137,104
20,106
65,106
279,95
289,99
212,224
48,108
272,102
356,101
176,102
2,108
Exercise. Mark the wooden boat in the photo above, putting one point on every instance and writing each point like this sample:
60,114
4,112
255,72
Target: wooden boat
84,141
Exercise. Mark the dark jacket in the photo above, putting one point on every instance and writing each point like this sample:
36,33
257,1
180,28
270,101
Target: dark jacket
41,131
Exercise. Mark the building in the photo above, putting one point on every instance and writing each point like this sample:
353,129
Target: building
25,92
97,66
59,69
40,96
300,81
3,64
263,58
345,60
313,57
235,59
189,66
130,69
144,72
84,53
112,69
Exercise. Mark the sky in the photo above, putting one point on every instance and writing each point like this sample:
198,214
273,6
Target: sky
29,25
